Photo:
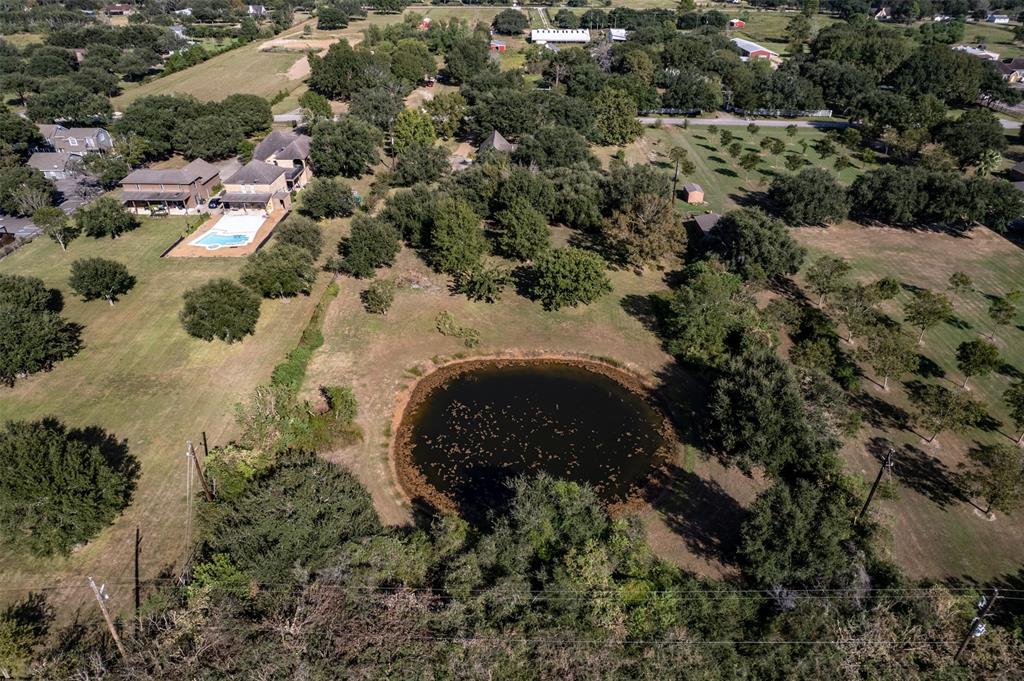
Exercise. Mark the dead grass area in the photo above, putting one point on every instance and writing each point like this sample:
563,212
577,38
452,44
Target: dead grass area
935,530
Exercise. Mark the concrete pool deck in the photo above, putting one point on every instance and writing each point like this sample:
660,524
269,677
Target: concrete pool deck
185,248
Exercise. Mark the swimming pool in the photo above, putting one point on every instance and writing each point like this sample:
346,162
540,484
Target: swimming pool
213,240
230,231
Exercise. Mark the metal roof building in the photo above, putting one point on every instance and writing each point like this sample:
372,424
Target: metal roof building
559,35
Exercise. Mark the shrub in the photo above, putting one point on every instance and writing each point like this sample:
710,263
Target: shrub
220,309
378,296
94,278
372,243
327,197
302,232
566,277
282,271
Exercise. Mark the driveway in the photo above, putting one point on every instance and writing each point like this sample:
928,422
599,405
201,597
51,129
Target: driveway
75,192
21,228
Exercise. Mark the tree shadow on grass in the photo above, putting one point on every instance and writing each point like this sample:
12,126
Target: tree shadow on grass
929,368
726,171
958,323
1010,611
642,308
33,613
1010,371
880,413
921,472
717,159
700,511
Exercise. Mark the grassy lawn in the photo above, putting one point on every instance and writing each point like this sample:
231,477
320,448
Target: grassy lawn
143,379
996,38
936,532
723,180
21,40
768,28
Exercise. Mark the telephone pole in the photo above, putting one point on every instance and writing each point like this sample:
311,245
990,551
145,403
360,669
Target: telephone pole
138,589
101,598
978,623
199,471
886,464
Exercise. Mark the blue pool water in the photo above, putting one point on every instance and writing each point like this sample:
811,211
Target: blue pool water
215,239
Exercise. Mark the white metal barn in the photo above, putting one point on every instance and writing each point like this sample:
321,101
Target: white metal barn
542,36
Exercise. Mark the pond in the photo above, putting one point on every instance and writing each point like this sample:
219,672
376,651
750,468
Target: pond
470,428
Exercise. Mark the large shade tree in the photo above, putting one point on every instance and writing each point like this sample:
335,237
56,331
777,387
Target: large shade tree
220,309
60,487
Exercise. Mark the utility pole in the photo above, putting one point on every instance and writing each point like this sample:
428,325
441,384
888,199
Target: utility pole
138,589
978,623
199,471
886,464
206,447
101,598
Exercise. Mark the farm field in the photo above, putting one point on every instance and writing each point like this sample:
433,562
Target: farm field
724,182
144,380
935,531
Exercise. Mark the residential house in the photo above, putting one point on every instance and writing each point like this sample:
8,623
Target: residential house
997,19
706,222
54,165
497,142
693,192
179,191
82,140
49,131
256,10
980,52
1012,69
289,150
542,36
751,50
617,35
257,187
119,10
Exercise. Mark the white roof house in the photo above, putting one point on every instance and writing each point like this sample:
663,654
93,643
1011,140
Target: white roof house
617,34
559,35
997,19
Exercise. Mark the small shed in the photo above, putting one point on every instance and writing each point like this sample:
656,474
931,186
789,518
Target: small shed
497,46
737,23
617,35
693,192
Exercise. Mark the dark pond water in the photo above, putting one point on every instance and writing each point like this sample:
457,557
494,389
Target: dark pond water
492,423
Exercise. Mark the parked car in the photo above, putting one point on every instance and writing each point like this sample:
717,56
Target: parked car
214,202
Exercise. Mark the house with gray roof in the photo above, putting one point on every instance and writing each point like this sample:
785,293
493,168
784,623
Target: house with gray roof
290,151
76,140
497,142
259,187
54,165
178,191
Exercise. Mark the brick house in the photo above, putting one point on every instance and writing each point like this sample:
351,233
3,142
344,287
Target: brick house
290,151
257,186
178,192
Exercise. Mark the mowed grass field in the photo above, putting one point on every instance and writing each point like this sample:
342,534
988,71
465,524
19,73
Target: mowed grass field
141,377
936,532
725,183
